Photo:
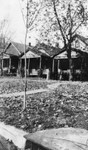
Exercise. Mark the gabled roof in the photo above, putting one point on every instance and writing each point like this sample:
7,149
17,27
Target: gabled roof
81,43
30,54
1,50
63,55
78,50
15,49
83,39
43,49
5,56
74,54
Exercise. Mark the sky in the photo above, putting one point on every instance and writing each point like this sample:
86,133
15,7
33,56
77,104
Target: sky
10,9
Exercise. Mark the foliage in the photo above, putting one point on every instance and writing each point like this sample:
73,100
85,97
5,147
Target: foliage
64,106
63,18
59,22
30,11
17,85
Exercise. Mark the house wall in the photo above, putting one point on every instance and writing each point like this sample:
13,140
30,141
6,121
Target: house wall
40,66
54,69
79,68
33,66
14,61
46,62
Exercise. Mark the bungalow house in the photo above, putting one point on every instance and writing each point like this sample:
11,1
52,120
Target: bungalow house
11,57
79,55
39,60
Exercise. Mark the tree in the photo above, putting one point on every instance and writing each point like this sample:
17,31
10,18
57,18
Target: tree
5,33
32,8
65,18
5,37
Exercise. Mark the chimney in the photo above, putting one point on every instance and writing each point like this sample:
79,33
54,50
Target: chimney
29,44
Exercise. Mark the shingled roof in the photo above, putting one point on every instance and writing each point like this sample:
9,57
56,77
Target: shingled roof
1,50
81,51
43,49
15,49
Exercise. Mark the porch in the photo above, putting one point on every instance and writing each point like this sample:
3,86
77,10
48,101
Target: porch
79,66
36,65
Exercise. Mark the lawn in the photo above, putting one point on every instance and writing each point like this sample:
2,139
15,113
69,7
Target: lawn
11,85
66,105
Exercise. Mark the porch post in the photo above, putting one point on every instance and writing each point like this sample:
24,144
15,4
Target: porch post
2,66
9,63
59,71
19,67
58,63
40,67
40,62
20,63
28,66
53,66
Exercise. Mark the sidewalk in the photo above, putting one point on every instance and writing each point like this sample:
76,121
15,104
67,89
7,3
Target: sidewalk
22,93
49,87
12,133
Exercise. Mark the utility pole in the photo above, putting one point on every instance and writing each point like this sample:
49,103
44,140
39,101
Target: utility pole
25,68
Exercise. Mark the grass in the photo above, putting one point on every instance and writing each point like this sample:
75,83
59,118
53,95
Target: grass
67,105
11,85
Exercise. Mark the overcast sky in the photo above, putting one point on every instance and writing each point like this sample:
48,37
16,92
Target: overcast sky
11,9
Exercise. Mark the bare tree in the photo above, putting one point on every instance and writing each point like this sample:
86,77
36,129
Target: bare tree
32,8
5,33
65,18
5,37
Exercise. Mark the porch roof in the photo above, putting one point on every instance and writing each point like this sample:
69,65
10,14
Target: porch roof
63,55
5,56
30,54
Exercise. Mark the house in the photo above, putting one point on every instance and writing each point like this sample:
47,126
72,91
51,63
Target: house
11,58
40,60
79,55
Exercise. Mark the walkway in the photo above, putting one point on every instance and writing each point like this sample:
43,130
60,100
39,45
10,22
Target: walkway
12,133
22,93
49,87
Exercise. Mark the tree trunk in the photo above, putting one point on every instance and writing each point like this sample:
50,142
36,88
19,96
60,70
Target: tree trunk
81,75
70,61
70,69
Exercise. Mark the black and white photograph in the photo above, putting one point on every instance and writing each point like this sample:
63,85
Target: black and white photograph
44,75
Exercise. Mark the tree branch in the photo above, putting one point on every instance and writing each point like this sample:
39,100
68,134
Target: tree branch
55,12
78,26
36,15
